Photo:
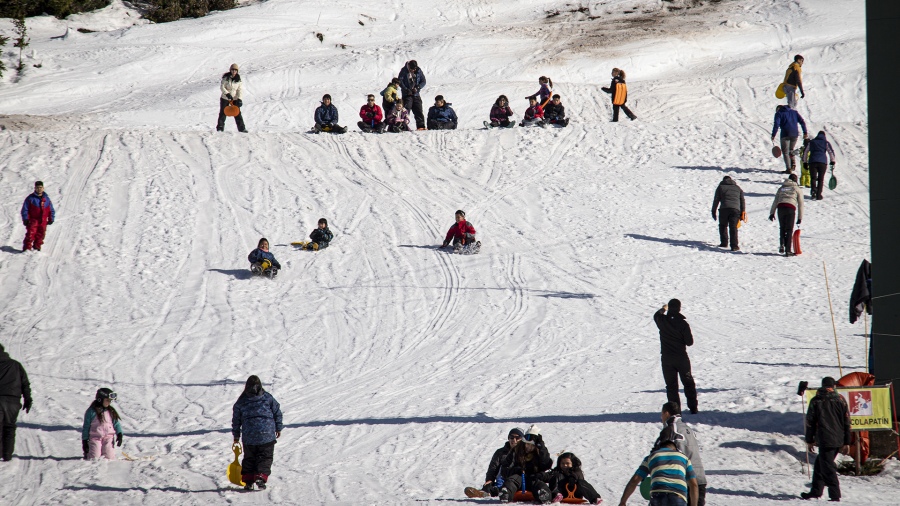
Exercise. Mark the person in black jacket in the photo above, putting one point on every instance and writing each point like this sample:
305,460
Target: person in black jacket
13,386
491,487
729,200
528,460
828,427
412,80
555,112
674,338
567,479
321,236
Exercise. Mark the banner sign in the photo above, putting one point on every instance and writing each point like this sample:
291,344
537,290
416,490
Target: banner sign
870,407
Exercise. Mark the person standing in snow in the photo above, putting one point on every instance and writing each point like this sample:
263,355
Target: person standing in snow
371,116
14,385
793,80
37,213
828,427
787,119
101,427
672,478
256,417
390,96
674,338
788,203
729,200
686,443
543,94
818,152
618,91
491,485
232,91
412,80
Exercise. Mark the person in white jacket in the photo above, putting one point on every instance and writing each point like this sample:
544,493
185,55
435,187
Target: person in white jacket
232,91
789,204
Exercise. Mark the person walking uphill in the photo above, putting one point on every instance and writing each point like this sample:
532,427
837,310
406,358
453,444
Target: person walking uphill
257,419
686,443
828,427
14,386
788,203
787,119
729,200
673,481
793,80
232,91
412,80
619,94
674,338
818,151
37,213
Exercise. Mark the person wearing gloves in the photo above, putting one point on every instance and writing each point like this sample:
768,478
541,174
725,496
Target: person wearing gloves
493,480
320,237
686,443
37,213
818,152
232,91
398,119
674,338
729,201
256,417
462,233
529,460
441,116
262,261
372,116
793,80
500,114
787,119
789,204
412,80
14,385
326,117
101,427
555,112
828,427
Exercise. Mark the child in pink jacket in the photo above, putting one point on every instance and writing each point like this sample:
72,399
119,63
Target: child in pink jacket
101,427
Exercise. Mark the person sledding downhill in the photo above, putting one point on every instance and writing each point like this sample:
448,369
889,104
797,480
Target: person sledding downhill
493,480
566,481
555,112
256,419
500,114
398,119
543,94
786,119
232,92
101,427
326,117
534,115
462,234
372,117
524,469
37,213
618,91
262,262
321,237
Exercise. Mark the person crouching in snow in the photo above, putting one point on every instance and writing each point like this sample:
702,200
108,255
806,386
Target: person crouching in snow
500,113
321,236
262,262
441,116
534,115
371,115
37,213
555,112
788,203
101,427
568,479
256,417
398,119
462,233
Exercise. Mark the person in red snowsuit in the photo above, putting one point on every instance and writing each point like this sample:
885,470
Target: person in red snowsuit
37,213
371,115
462,232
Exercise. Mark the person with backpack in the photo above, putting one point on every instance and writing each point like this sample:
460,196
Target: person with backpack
37,213
619,94
788,203
257,421
786,119
441,116
828,427
729,200
14,387
371,116
818,152
555,112
493,478
232,92
101,428
793,80
412,80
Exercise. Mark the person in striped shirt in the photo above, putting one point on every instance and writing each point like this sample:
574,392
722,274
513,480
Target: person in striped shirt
671,475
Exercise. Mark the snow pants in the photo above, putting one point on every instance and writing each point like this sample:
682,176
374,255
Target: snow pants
581,489
825,474
414,104
790,92
817,178
728,220
786,227
34,235
239,119
441,125
666,499
787,145
672,368
9,412
257,463
103,447
624,108
532,484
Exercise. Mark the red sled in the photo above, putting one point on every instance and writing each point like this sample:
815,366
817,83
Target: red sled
796,242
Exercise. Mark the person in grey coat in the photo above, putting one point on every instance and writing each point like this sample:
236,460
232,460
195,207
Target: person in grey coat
14,386
729,201
788,203
257,417
686,443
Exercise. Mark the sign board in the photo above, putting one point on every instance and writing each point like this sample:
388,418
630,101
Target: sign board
870,407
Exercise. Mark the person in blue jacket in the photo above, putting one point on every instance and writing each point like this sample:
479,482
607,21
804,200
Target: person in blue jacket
441,116
327,117
37,213
262,262
256,419
818,152
412,80
787,119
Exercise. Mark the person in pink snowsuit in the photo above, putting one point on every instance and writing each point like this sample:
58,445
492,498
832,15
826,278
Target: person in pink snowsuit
101,430
37,213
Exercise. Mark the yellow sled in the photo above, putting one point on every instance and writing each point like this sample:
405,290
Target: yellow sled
234,469
779,92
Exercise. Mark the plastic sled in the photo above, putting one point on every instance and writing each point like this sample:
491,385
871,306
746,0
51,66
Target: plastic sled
776,151
832,182
232,110
570,496
234,469
779,92
645,488
796,242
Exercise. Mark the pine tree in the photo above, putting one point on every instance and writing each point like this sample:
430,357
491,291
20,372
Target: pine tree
21,40
2,44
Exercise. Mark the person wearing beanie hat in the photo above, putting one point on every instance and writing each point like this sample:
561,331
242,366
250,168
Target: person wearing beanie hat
529,459
828,427
729,200
788,203
441,116
232,92
818,152
326,117
37,213
793,80
412,80
492,479
320,237
674,338
462,233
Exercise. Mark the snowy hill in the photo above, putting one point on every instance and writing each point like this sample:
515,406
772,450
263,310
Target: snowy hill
400,368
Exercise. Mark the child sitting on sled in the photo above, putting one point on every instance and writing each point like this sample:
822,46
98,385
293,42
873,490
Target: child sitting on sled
262,262
462,233
101,427
566,480
555,112
534,115
500,114
321,236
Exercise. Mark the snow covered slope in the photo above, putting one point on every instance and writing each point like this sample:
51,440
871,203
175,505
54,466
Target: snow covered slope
401,368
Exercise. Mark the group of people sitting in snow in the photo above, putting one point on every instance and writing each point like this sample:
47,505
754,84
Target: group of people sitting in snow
403,94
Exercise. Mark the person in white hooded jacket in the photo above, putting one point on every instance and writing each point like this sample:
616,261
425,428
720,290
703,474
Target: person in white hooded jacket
232,91
789,204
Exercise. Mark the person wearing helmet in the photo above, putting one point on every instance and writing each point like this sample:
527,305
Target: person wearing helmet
672,478
232,90
101,427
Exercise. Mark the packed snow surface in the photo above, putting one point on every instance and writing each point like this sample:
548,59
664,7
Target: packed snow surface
399,367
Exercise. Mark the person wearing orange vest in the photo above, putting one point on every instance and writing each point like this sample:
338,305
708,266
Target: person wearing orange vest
619,93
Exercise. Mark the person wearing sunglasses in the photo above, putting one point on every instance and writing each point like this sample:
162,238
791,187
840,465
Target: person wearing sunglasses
493,479
232,90
528,461
372,117
101,427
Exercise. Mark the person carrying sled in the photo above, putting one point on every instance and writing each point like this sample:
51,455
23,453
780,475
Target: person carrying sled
828,427
398,119
555,112
793,80
788,203
372,116
674,338
256,419
493,479
618,91
101,427
543,94
232,90
390,96
817,153
686,443
528,460
441,116
567,479
326,117
462,233
787,120
500,113
37,213
729,200
673,481
320,237
262,262
14,385
412,80
534,115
